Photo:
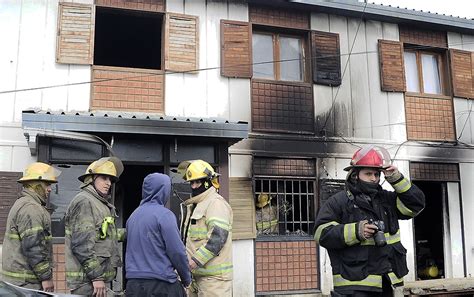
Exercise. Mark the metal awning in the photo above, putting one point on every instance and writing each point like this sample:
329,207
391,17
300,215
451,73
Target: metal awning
34,122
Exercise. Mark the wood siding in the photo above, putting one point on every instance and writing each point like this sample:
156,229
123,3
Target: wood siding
434,172
148,5
75,39
424,37
243,206
326,58
279,17
236,49
429,118
127,89
282,107
462,69
182,42
392,72
10,190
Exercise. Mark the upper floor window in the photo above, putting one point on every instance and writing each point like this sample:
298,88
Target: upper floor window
278,57
424,72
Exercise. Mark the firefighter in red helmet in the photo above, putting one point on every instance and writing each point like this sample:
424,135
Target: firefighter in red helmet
359,226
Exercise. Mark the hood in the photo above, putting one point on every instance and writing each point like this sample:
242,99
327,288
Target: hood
156,189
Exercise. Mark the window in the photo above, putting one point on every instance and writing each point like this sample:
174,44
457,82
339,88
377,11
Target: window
127,38
278,57
284,206
424,72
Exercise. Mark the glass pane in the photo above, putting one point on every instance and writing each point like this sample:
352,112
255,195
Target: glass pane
431,79
263,56
291,56
411,72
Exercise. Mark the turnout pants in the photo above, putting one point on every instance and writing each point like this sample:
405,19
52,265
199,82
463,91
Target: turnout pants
210,287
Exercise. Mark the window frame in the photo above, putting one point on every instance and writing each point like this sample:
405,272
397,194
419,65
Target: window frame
442,70
276,34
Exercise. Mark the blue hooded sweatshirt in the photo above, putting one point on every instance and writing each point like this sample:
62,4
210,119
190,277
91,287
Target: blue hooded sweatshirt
154,246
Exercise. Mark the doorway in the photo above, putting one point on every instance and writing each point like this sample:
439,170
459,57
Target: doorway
429,230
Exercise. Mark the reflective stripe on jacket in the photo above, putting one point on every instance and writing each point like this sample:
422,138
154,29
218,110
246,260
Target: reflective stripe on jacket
359,264
207,229
27,246
91,239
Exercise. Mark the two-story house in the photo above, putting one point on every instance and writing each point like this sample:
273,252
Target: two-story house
277,95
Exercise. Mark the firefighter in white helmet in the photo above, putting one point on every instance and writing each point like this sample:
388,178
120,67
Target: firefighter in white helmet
206,229
92,252
27,246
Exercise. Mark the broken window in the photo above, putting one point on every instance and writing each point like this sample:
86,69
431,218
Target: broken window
128,38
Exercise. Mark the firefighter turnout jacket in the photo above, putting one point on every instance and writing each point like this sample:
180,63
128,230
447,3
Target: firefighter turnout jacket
92,251
359,264
27,246
207,232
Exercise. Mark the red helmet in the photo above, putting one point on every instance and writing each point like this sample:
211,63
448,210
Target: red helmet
370,157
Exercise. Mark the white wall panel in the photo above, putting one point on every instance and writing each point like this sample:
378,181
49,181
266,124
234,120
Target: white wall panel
320,22
239,100
244,282
240,165
467,189
6,152
454,40
468,42
453,239
21,158
78,96
464,117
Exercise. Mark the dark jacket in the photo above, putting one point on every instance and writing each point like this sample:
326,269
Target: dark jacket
27,247
359,264
154,246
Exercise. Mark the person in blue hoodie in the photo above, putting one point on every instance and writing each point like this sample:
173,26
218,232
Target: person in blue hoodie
155,254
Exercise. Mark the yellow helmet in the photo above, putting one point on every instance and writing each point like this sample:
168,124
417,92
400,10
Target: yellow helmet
198,169
40,172
263,200
110,166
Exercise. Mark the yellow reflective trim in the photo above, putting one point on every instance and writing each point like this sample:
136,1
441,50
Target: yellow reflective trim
105,226
197,233
394,279
350,232
42,267
320,229
20,275
12,236
405,210
391,239
266,224
370,281
402,186
214,221
30,231
203,255
213,270
80,274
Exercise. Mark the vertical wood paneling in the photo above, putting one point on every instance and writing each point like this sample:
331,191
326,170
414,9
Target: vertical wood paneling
281,17
182,42
414,35
461,71
9,192
75,41
242,202
326,58
147,5
392,72
236,49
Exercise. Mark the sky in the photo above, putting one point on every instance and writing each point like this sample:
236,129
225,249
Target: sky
460,8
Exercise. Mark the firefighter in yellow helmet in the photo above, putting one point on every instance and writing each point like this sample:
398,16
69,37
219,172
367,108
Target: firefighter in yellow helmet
92,253
27,246
206,229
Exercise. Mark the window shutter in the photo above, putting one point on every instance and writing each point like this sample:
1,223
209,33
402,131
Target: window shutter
392,72
326,58
9,192
243,206
182,42
75,40
462,65
236,49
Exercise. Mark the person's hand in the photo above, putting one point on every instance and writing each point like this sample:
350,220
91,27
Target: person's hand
192,265
366,230
47,285
99,288
390,170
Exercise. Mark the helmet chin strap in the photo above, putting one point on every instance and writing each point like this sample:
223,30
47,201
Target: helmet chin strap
205,185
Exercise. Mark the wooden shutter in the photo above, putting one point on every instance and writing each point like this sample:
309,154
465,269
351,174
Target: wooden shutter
9,192
75,40
392,69
236,49
243,206
326,58
182,42
462,65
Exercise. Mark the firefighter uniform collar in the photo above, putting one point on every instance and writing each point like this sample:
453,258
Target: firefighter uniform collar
201,197
37,197
90,189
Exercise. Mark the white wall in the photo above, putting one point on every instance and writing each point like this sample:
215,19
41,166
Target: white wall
361,109
466,171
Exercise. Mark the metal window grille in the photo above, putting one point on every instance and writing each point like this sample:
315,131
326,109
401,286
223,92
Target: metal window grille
291,208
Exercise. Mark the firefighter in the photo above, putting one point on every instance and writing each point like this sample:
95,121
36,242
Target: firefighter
266,215
359,226
92,253
206,229
27,246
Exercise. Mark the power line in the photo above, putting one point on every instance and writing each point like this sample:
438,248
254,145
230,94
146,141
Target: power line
167,72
